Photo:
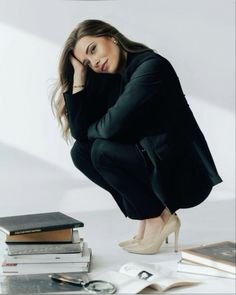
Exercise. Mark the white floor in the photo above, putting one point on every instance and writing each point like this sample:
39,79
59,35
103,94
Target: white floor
29,185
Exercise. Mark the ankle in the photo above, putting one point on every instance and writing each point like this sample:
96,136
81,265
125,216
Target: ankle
141,229
165,214
155,221
153,227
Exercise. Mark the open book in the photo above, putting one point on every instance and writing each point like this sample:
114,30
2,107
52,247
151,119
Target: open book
131,278
135,277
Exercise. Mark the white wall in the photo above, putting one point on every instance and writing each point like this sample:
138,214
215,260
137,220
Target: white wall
197,36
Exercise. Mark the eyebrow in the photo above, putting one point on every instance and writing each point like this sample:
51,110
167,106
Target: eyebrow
88,49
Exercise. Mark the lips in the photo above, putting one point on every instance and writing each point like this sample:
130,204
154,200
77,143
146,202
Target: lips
103,67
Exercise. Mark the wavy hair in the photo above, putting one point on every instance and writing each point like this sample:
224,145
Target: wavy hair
89,27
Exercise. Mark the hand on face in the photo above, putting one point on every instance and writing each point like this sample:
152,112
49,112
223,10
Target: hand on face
77,65
101,54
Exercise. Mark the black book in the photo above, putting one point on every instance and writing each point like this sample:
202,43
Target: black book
33,223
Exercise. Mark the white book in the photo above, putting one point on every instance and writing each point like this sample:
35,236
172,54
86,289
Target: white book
83,256
76,237
197,268
135,277
22,269
41,268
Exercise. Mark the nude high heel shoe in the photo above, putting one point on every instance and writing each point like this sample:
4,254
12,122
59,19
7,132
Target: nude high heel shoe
152,246
129,242
132,241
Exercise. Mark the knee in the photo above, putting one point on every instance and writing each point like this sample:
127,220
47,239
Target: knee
101,148
79,152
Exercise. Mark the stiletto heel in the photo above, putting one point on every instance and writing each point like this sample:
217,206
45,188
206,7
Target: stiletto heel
176,239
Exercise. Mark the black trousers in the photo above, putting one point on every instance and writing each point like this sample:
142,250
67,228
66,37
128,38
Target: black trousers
122,170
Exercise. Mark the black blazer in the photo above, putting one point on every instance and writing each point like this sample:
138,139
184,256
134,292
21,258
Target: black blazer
146,105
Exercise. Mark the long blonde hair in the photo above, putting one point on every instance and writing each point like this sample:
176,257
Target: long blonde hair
89,27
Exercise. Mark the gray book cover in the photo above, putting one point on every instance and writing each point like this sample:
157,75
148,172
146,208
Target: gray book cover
37,284
83,256
224,252
29,249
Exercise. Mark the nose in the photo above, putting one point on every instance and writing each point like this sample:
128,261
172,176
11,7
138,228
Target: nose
95,62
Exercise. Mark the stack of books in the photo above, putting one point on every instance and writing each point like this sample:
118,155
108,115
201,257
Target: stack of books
218,259
43,243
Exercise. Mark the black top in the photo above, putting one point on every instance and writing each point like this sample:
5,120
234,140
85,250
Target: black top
127,107
146,104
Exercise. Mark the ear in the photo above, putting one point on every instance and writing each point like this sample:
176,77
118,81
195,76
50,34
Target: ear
114,40
110,38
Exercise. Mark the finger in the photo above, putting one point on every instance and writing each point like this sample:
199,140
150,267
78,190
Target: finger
74,59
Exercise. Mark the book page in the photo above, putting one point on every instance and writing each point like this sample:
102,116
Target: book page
159,277
124,284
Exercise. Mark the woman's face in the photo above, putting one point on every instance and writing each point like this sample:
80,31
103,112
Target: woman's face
101,54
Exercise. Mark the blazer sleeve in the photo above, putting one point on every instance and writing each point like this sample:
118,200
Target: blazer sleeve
86,106
143,86
76,110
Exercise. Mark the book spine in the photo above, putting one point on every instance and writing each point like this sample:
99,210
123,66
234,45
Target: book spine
45,267
37,230
37,242
82,259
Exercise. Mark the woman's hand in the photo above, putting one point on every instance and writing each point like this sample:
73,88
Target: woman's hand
79,68
79,74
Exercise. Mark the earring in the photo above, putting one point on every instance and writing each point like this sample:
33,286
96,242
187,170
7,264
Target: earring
115,41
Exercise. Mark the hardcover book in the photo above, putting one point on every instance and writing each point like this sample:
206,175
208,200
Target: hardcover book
46,268
36,284
34,223
53,236
50,265
29,249
218,255
200,269
83,256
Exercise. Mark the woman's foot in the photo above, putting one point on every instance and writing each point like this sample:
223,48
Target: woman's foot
139,236
165,215
156,232
141,229
153,227
149,228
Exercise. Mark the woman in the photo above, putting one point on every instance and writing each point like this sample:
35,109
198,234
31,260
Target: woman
135,134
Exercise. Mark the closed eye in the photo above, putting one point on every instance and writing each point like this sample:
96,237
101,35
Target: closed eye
86,63
93,48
